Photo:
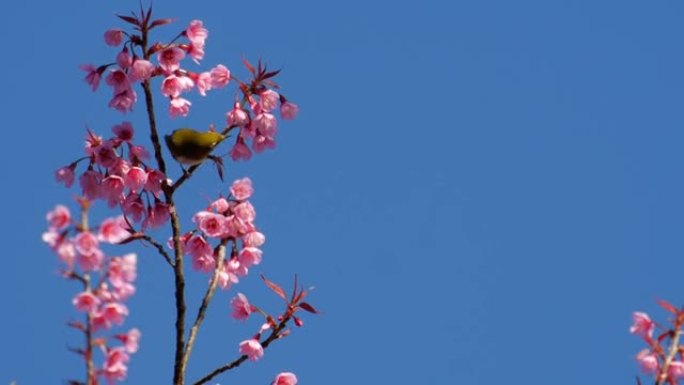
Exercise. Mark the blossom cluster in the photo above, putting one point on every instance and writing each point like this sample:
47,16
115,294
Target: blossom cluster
117,173
226,219
664,356
253,115
108,282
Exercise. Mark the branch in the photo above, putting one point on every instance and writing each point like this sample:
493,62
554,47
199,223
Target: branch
179,279
235,363
157,245
674,347
205,301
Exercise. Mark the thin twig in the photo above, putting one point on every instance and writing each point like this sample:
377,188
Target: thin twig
157,245
235,363
201,312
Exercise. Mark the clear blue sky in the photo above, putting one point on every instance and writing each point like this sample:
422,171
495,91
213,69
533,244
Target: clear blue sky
481,191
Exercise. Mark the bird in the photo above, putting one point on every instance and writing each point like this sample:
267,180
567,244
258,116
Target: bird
190,147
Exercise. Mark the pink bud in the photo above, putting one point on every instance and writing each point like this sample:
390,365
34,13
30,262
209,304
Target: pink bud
65,175
124,59
141,70
59,217
114,37
86,302
642,326
179,107
289,110
285,378
241,307
242,189
252,349
220,76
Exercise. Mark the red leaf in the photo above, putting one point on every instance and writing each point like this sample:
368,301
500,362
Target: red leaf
308,308
160,22
667,306
248,65
276,289
76,325
129,19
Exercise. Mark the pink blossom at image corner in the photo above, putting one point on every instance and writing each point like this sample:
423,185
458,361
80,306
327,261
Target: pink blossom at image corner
642,326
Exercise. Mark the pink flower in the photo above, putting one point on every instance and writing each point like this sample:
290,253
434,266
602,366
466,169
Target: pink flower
136,178
113,230
647,361
253,239
642,326
90,184
237,116
123,269
179,107
196,51
173,85
252,349
86,302
212,224
124,59
285,378
240,151
124,131
269,100
154,181
261,143
220,76
114,367
675,370
204,263
123,290
233,266
141,70
66,253
220,205
114,37
112,189
227,277
118,80
133,207
113,313
157,216
170,58
90,262
250,256
241,307
289,110
197,246
93,75
105,155
86,243
204,83
266,124
242,189
65,175
124,100
59,217
196,32
130,340
245,212
137,153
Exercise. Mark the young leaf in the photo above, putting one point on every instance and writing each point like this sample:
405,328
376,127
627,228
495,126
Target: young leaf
276,289
308,308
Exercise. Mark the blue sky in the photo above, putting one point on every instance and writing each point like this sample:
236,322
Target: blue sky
479,191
